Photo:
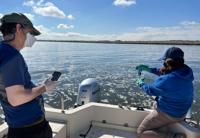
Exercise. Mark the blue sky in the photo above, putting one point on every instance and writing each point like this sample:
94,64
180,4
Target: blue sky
111,19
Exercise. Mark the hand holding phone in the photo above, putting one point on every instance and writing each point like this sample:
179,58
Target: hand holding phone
56,75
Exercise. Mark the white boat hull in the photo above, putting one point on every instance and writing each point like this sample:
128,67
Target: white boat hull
105,120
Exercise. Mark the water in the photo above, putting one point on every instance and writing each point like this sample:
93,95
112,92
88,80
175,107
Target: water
113,65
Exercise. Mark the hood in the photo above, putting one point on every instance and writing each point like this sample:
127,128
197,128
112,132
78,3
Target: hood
185,73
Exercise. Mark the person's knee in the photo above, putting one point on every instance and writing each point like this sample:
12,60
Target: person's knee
139,131
141,134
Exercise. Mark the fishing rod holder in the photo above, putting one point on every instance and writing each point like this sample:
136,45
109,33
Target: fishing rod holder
62,102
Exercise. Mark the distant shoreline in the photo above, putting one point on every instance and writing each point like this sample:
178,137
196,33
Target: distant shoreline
168,42
164,42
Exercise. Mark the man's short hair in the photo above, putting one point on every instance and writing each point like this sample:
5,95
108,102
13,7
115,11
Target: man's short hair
8,28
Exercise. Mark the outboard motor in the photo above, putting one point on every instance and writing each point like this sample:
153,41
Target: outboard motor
89,91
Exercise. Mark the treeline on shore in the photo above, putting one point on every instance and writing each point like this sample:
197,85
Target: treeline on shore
164,42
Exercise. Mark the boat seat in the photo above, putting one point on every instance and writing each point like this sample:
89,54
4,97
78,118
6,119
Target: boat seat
59,129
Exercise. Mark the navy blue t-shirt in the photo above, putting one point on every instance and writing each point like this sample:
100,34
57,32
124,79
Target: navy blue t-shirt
14,71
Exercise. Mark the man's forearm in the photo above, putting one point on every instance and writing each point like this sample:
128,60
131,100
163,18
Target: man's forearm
39,90
31,94
18,95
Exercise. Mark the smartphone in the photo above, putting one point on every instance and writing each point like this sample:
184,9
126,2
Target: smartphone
56,75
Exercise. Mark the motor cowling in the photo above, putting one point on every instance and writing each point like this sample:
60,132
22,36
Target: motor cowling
89,91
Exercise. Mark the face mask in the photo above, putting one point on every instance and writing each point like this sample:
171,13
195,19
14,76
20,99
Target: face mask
30,40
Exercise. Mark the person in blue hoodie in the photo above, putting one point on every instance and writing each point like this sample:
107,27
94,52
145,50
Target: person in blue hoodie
174,94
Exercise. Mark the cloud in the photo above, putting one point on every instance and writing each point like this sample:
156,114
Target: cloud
190,23
124,2
189,30
184,31
47,9
48,34
29,3
1,15
40,2
65,26
70,17
43,29
30,16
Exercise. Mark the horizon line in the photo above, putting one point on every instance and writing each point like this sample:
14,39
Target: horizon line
161,42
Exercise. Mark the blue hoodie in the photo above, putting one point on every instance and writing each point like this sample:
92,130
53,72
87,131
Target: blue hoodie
174,91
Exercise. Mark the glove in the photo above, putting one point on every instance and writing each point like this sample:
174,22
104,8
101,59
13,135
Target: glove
49,84
143,67
139,82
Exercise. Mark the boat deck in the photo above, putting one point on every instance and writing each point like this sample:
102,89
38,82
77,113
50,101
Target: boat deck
100,132
105,130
